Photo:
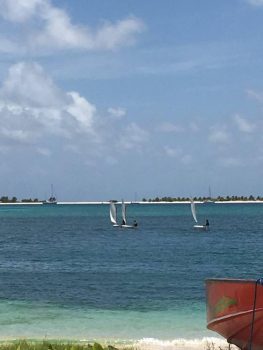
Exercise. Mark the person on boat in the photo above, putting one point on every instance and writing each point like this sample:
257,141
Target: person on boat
207,223
135,224
123,222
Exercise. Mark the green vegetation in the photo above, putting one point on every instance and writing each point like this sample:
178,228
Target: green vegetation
204,199
29,200
6,199
52,345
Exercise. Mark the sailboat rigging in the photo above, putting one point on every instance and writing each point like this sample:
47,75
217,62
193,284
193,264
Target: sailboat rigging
209,198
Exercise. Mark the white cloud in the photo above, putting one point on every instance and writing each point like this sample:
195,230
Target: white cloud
172,152
218,135
19,10
117,113
38,114
58,31
133,137
178,154
229,162
44,151
170,127
28,85
256,95
52,28
114,35
16,134
82,110
255,2
32,107
243,124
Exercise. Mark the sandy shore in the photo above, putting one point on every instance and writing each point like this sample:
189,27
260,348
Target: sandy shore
138,202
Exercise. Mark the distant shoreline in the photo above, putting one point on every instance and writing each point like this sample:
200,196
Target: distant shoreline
137,202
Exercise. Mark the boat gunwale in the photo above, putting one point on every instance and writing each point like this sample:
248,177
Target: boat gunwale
232,280
230,316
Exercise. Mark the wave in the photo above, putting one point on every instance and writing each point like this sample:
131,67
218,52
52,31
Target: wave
206,343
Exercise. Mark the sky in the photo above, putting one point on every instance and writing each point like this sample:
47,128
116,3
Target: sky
132,99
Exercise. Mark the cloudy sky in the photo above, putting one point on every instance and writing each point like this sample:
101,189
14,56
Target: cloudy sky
131,99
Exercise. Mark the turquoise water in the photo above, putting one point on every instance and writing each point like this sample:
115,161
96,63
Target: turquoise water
66,273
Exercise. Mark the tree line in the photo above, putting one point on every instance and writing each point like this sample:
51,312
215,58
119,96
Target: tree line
204,199
6,199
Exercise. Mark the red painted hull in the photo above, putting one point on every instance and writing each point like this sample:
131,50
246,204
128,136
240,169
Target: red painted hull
230,311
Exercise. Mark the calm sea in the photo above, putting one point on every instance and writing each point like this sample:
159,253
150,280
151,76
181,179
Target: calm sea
66,273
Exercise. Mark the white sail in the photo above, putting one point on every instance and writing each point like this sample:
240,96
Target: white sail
123,208
193,210
113,213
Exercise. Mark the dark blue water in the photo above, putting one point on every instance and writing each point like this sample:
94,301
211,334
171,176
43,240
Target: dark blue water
69,257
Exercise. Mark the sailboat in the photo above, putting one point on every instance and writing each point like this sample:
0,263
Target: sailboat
52,199
209,200
124,220
113,216
200,227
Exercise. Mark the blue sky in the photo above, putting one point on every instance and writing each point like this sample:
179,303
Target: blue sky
123,98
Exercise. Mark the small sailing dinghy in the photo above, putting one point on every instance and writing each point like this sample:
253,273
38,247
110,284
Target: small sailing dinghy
124,220
197,226
113,216
235,311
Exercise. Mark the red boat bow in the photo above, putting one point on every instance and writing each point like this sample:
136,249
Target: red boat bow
235,311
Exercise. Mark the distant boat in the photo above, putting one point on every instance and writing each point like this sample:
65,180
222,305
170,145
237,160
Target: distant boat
209,200
113,216
197,226
52,199
235,311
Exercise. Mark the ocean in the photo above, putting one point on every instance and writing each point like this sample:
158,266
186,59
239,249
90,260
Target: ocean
67,274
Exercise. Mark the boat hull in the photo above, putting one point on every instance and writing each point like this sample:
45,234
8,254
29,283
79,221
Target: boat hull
128,226
230,305
201,227
125,226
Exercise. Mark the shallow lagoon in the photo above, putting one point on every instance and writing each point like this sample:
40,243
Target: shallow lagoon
66,273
